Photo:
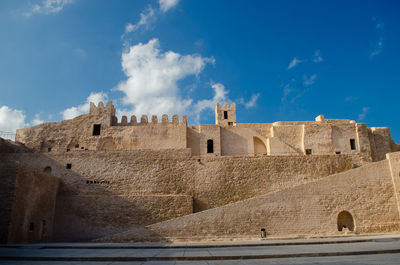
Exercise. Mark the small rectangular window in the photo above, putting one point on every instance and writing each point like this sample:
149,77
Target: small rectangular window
308,151
49,149
96,129
69,166
338,152
31,227
225,115
353,144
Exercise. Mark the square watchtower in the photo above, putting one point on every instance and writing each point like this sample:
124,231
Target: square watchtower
225,115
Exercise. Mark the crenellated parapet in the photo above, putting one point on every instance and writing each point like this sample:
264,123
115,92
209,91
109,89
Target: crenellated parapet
225,115
101,109
144,120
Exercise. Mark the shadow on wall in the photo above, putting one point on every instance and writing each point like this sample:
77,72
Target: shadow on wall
86,218
76,217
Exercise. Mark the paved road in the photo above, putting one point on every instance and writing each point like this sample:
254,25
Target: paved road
353,250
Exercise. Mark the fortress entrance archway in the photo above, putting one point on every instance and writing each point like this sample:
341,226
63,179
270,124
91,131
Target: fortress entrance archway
345,220
259,146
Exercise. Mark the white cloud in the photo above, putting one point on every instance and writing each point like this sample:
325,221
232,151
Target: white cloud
219,97
145,18
37,120
166,5
294,62
308,81
363,114
317,57
252,102
10,121
152,76
85,107
49,7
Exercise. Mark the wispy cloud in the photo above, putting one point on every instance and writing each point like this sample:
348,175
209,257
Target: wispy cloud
317,58
308,81
47,7
294,62
149,15
220,95
166,5
145,18
364,113
377,46
251,103
80,53
350,99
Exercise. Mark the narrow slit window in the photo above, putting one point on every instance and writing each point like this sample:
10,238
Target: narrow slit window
210,146
225,115
96,129
353,144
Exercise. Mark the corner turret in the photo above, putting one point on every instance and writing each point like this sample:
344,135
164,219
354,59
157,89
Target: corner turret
225,115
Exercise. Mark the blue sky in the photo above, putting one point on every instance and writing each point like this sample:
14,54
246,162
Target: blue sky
278,60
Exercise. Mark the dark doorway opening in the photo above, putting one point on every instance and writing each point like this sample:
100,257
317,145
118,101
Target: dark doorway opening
210,146
345,220
353,144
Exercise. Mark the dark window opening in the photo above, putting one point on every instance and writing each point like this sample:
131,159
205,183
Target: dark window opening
225,115
49,149
353,144
76,145
96,129
69,166
308,151
210,146
31,227
82,147
67,149
338,152
230,123
47,170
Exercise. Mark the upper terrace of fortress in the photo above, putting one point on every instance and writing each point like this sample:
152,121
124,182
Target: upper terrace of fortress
101,130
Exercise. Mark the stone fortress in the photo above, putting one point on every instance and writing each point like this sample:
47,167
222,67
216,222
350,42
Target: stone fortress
96,178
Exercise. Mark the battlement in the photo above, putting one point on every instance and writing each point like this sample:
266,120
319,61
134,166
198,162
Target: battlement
145,121
101,109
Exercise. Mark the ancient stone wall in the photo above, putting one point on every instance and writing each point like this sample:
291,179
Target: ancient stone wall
8,173
33,206
223,180
311,209
99,187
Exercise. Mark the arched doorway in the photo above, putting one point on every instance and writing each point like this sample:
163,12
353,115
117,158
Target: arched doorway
345,220
259,146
